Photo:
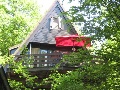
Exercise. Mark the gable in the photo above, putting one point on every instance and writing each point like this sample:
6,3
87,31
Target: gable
52,25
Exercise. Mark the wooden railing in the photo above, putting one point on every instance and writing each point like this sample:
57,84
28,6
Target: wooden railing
40,60
48,60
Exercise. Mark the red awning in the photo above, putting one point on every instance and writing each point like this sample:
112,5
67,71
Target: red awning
72,40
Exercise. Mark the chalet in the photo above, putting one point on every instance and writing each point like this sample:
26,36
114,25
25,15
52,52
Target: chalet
42,38
41,42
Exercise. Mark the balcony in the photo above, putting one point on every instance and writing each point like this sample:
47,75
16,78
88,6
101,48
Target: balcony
42,61
47,61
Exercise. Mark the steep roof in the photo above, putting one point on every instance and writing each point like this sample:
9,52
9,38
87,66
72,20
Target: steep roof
41,34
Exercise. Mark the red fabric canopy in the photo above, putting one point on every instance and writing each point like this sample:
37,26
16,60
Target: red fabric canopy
72,40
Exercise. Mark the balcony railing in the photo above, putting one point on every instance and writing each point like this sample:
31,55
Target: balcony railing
49,60
40,60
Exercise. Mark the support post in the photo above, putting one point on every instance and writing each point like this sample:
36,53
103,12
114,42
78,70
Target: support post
30,48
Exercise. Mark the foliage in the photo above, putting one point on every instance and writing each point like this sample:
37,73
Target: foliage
101,21
17,19
98,17
24,79
22,71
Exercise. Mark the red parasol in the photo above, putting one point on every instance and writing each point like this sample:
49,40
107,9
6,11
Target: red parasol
72,40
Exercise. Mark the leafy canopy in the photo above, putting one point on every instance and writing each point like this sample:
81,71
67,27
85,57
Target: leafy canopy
17,19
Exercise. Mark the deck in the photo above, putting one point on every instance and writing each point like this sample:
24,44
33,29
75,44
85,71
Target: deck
42,61
45,61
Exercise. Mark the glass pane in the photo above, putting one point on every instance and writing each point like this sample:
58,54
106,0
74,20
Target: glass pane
42,51
35,50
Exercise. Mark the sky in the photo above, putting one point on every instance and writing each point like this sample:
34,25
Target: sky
45,4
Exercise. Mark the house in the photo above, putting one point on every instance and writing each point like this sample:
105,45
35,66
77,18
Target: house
4,85
41,42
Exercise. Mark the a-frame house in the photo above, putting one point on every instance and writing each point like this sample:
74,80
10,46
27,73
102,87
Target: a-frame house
52,24
41,42
43,36
42,39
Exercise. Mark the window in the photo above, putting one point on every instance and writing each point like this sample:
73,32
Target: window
55,23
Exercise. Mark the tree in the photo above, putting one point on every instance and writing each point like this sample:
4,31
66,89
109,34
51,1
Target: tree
101,21
19,77
17,19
